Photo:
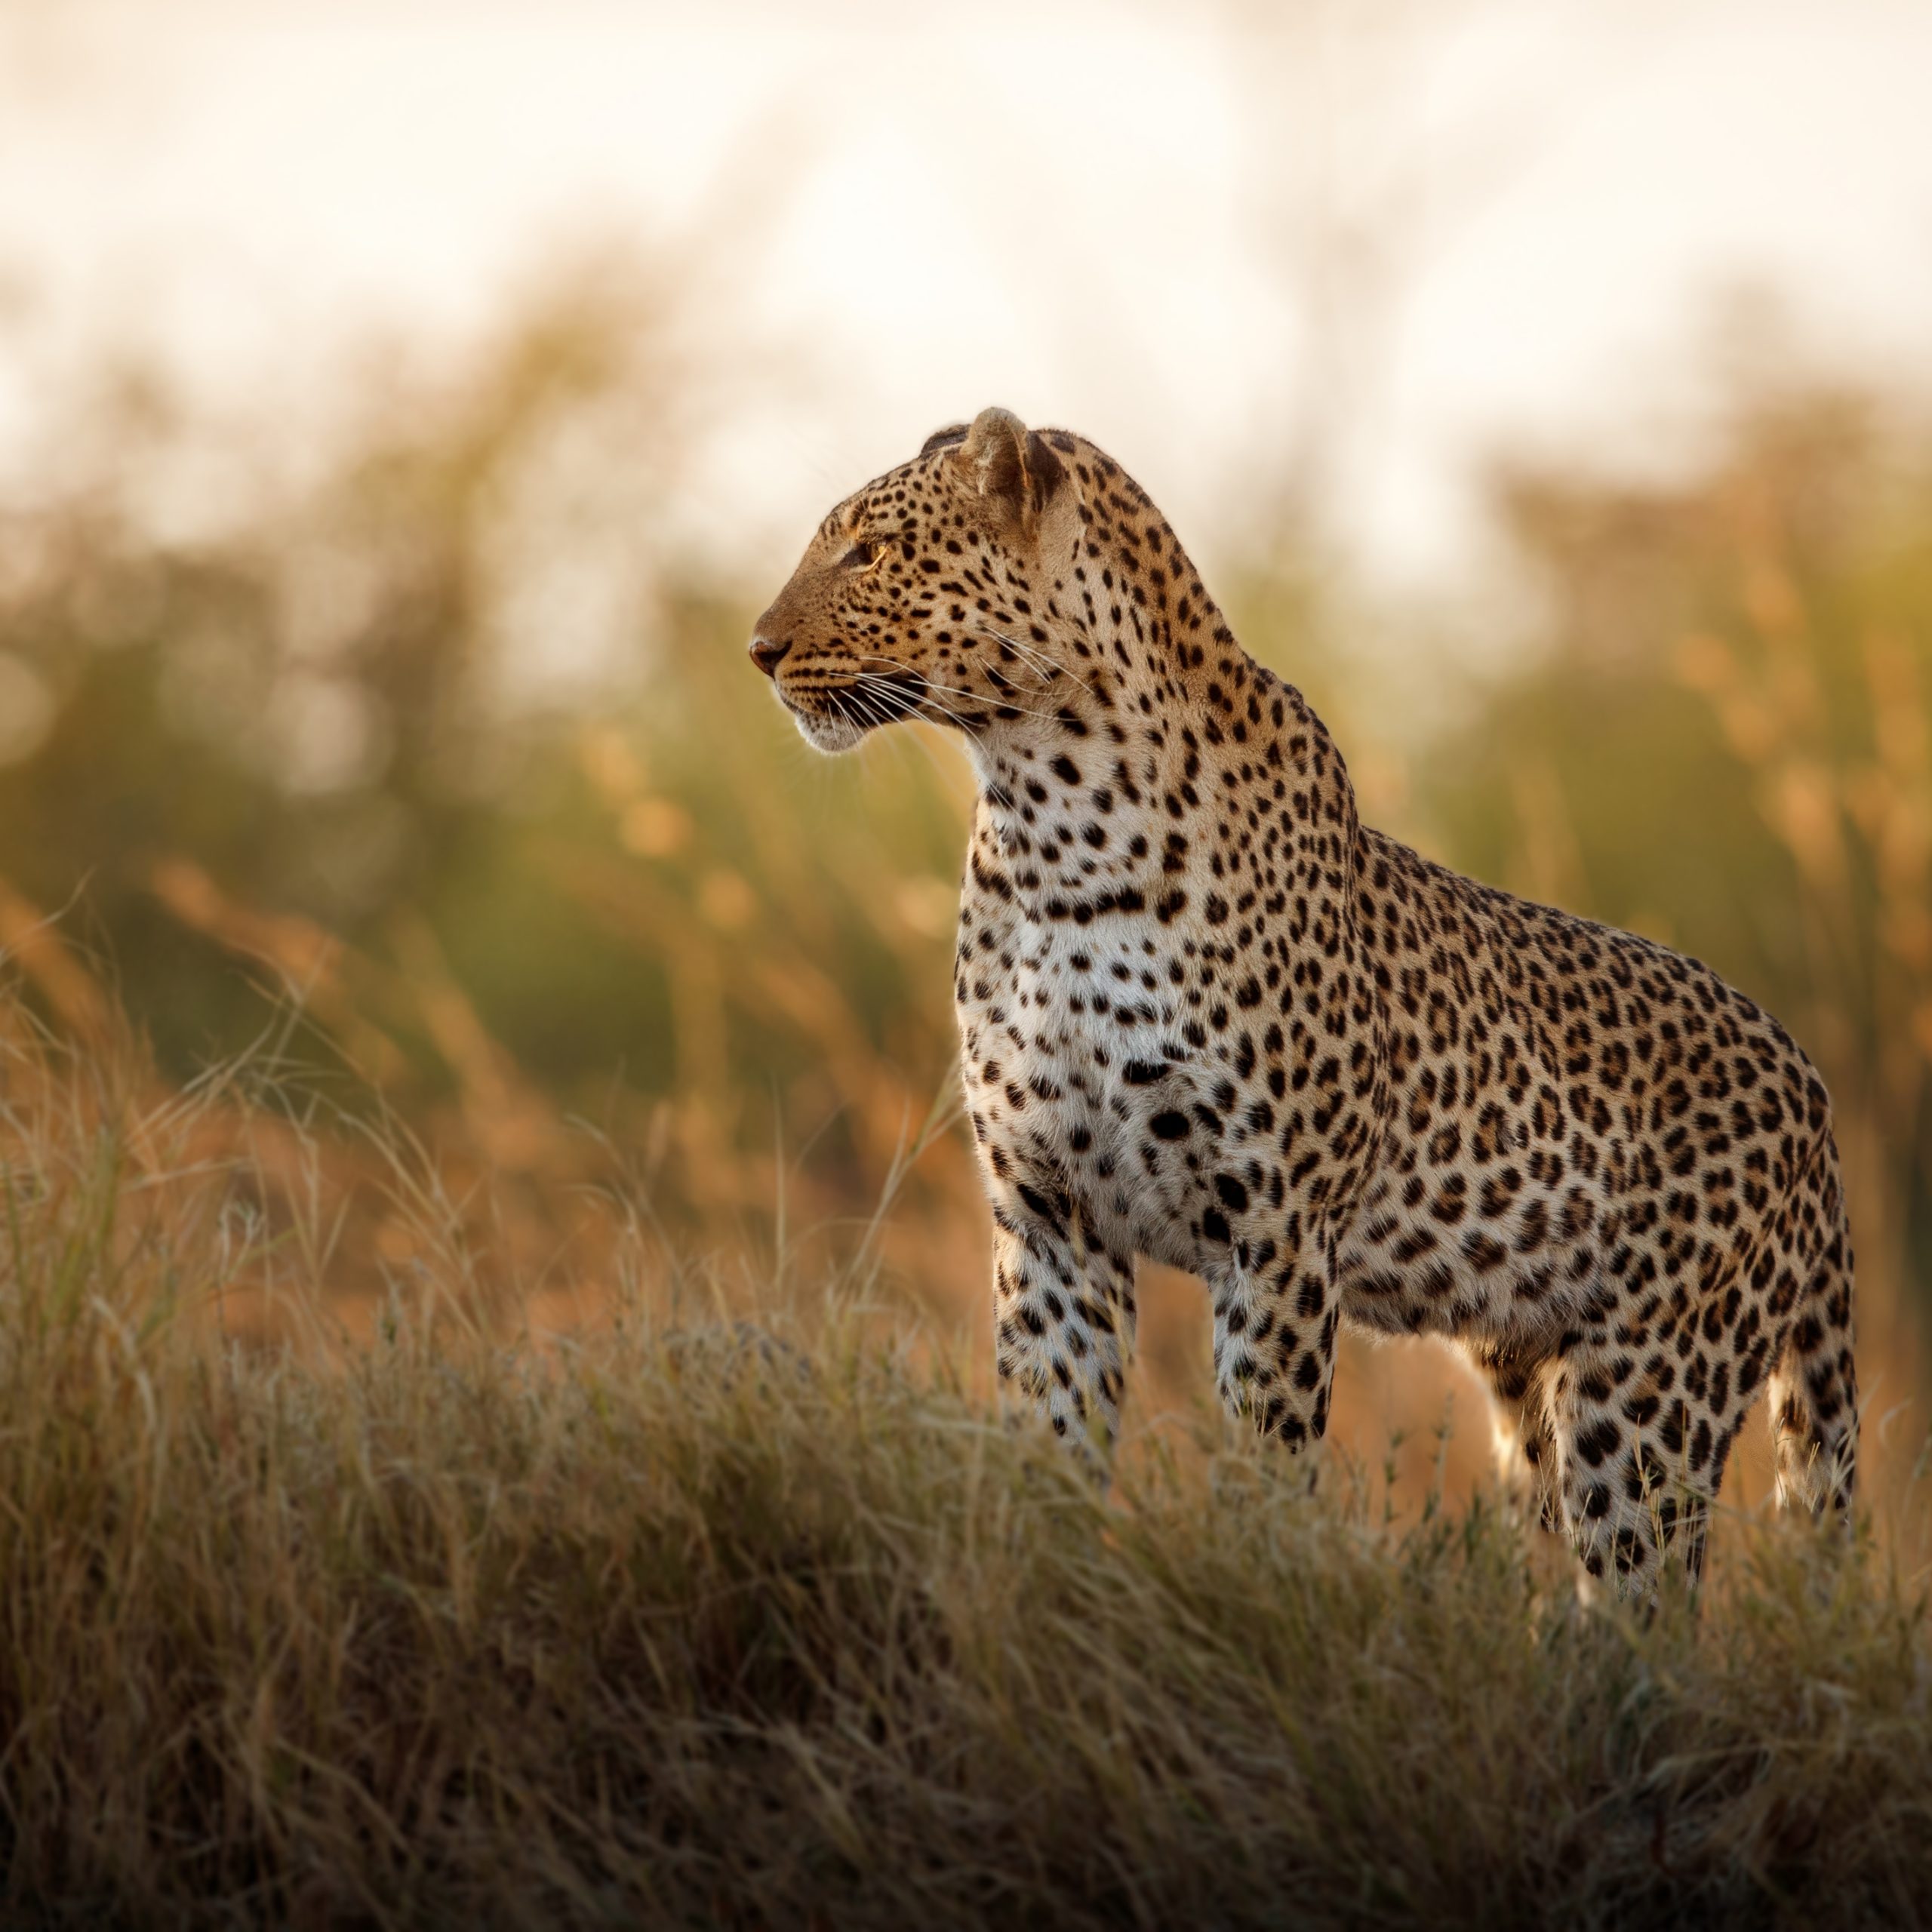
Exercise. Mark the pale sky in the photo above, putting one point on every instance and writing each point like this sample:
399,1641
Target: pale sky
1515,218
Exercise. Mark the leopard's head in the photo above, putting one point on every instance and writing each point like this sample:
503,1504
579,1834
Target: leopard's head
931,592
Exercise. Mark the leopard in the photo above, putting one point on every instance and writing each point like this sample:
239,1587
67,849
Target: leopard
1209,1018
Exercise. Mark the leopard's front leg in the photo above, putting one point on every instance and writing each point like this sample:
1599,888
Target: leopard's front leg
1276,1305
1064,1311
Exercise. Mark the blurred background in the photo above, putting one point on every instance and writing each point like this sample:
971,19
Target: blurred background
405,409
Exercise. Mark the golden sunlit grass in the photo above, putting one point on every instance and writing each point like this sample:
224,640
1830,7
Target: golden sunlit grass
686,1620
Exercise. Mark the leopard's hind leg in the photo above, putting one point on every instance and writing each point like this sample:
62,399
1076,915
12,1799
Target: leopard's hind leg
1639,1462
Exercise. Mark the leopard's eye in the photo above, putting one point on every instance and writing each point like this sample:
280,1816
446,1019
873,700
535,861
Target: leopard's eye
861,556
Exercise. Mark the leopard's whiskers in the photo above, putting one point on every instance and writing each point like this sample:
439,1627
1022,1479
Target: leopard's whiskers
1053,665
972,697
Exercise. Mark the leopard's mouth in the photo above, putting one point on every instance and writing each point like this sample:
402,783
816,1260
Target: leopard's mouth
833,718
881,699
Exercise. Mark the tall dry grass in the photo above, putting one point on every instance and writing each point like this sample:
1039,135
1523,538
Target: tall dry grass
691,1621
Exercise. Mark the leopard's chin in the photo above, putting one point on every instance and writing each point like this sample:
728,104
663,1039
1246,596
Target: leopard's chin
841,715
828,734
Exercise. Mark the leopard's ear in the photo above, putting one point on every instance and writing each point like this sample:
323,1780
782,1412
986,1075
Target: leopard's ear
954,432
1007,460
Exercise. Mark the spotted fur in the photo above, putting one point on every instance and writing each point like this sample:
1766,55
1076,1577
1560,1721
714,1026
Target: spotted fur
1207,1016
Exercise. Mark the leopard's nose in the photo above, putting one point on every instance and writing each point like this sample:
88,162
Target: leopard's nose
767,654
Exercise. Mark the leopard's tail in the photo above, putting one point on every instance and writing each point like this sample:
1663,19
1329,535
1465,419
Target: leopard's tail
1814,1387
